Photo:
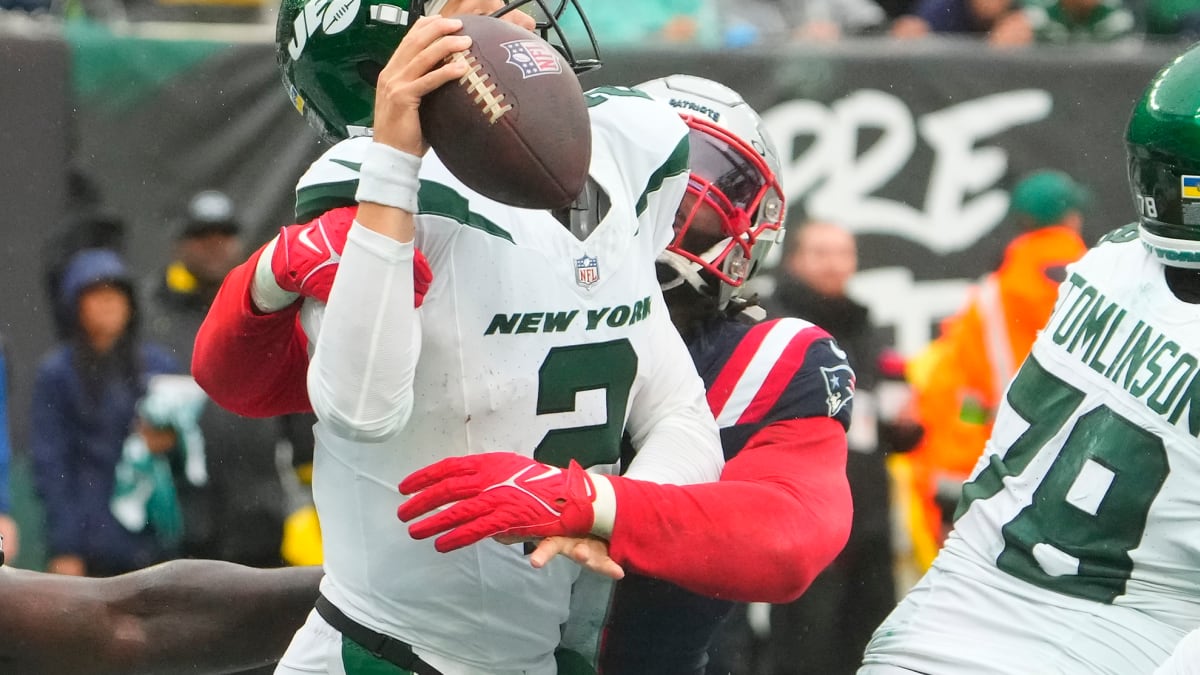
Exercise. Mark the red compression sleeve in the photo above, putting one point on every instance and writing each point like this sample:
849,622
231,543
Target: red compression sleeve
250,363
778,516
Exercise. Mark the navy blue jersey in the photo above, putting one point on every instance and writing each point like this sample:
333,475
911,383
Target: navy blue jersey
755,375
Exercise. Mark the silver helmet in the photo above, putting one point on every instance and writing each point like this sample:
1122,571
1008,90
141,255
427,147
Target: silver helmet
734,208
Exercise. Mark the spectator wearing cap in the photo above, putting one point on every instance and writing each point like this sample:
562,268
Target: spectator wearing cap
238,515
84,399
959,379
207,246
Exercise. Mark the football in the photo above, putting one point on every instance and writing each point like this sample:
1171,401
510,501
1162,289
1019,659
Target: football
515,127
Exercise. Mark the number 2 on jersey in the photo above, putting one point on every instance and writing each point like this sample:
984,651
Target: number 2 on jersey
1090,509
610,366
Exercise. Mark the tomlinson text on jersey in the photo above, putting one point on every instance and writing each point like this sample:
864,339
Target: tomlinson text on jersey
1134,355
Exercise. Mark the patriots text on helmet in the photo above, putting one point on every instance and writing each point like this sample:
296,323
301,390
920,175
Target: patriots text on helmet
697,108
559,322
1132,354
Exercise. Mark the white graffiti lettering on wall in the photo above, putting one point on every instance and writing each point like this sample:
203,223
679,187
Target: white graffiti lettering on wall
836,179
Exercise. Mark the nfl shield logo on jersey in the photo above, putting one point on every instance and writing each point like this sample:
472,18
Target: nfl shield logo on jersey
839,387
587,271
533,57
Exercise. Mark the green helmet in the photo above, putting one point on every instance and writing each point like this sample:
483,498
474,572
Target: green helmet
1163,141
332,51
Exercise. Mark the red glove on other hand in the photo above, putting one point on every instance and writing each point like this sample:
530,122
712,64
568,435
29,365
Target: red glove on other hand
306,256
498,493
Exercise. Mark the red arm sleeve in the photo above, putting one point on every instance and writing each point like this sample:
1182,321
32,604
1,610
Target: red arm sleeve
779,515
250,363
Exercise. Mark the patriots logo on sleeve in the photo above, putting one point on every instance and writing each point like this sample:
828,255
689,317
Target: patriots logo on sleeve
839,387
781,369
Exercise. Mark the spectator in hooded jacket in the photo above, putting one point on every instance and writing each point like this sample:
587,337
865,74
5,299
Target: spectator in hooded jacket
238,514
84,402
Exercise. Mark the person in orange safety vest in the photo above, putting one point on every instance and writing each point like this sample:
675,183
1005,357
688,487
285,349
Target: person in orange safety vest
960,378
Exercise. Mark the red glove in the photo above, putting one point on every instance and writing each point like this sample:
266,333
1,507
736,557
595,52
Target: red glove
501,493
306,256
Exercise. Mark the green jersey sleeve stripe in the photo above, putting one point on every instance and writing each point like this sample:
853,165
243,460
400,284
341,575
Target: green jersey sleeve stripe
314,200
433,199
676,164
598,95
436,199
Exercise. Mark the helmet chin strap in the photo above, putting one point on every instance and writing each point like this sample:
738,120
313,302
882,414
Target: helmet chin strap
686,272
1170,251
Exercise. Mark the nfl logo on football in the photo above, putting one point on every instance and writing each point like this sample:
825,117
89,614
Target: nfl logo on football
587,271
532,57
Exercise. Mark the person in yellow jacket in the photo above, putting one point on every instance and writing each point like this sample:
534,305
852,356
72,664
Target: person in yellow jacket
959,379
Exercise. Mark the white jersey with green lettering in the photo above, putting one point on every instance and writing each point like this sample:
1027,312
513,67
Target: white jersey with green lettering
530,341
1076,547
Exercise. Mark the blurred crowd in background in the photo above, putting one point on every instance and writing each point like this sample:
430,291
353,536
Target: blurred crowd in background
130,465
743,23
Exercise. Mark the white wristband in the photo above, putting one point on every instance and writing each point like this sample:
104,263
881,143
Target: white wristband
264,290
604,508
389,177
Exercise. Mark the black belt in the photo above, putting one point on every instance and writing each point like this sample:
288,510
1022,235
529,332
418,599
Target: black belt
382,646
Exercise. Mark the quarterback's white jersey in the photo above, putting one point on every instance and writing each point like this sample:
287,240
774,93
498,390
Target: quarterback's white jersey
530,341
1186,658
1077,543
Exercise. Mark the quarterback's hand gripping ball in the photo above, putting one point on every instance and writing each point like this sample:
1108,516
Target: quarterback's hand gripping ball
306,256
498,494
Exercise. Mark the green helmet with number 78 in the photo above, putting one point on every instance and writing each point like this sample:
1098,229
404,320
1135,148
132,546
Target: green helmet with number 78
1163,142
331,52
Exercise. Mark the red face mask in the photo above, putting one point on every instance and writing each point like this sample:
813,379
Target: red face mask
723,215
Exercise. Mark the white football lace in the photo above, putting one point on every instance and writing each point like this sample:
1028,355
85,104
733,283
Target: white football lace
476,82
